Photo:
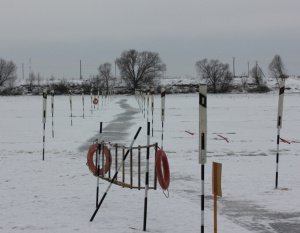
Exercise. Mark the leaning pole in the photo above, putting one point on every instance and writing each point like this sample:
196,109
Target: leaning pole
202,142
279,125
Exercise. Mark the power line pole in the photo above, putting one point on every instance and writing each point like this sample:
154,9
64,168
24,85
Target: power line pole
233,67
80,77
23,71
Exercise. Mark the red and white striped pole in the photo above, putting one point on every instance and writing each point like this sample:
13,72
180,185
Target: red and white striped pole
202,142
279,125
44,118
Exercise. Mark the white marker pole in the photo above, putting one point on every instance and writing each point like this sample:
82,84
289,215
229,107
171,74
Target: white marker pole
202,142
70,94
82,96
44,118
163,102
98,99
146,178
91,100
52,111
147,93
279,125
152,107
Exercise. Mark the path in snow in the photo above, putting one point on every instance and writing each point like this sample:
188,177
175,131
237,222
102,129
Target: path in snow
115,131
258,219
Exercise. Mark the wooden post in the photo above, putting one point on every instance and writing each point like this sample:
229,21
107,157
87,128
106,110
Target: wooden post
217,190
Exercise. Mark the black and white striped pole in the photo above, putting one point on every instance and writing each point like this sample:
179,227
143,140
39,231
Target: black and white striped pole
91,99
163,102
52,111
82,97
152,107
147,177
147,93
71,115
144,102
44,118
98,98
115,175
279,125
202,142
99,148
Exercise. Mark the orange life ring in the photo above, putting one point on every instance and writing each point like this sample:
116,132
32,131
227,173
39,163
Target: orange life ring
95,101
90,162
162,169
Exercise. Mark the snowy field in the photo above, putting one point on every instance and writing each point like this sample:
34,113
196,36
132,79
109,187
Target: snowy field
58,194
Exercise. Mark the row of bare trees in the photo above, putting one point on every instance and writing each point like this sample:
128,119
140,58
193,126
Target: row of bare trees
142,69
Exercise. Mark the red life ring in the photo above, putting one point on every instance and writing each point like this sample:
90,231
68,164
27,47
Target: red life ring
95,101
162,169
90,162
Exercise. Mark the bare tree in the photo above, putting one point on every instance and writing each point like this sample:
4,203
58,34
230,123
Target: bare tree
257,74
140,69
215,73
7,72
277,69
105,75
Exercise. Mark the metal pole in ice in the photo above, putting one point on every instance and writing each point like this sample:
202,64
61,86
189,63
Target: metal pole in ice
152,107
44,118
52,111
202,142
279,125
82,96
163,102
91,99
98,165
98,98
116,174
147,177
70,93
147,93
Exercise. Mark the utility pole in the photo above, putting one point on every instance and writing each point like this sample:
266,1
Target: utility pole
248,69
233,67
23,71
80,77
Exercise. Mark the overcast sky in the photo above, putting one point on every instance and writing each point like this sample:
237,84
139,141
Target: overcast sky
56,34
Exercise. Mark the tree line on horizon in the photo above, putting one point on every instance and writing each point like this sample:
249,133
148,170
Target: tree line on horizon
140,70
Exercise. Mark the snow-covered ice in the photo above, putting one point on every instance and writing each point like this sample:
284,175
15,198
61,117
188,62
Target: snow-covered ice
58,194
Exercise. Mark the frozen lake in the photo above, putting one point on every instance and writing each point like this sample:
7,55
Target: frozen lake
58,194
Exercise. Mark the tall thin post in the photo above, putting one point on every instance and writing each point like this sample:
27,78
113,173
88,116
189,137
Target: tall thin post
80,75
82,97
91,99
52,111
233,66
163,102
147,177
279,125
202,142
152,107
70,93
114,177
147,93
23,71
44,118
98,165
98,98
